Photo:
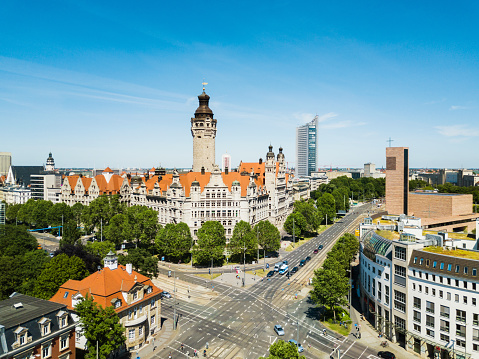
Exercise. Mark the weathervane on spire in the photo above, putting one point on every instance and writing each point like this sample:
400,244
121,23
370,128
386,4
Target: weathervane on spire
204,84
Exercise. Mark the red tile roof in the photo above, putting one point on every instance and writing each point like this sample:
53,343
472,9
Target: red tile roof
104,286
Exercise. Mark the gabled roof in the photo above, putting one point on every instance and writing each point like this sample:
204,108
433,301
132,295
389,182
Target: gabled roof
104,285
108,170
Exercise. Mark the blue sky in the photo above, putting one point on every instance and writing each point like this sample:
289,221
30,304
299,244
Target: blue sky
114,83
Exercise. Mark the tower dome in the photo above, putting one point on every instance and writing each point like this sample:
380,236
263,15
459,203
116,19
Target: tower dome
50,166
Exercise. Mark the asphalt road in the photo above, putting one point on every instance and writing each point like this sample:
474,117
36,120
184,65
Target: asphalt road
239,322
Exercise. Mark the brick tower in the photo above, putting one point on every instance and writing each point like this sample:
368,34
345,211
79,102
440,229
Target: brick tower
203,130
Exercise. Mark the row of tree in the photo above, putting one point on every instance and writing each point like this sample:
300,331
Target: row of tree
331,281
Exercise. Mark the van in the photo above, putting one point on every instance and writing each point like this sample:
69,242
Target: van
277,266
283,269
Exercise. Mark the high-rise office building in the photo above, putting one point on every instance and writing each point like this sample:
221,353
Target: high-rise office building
306,148
5,162
397,180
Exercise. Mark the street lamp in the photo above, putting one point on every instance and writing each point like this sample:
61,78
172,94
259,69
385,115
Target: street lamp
174,297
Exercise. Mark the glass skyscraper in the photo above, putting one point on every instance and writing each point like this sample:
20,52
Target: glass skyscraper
306,148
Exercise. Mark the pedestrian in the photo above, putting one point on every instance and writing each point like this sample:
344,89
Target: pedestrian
169,356
182,348
195,354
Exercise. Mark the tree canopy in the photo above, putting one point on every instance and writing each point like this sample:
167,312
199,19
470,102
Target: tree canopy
174,241
59,270
142,261
297,221
100,325
269,237
283,350
243,241
211,243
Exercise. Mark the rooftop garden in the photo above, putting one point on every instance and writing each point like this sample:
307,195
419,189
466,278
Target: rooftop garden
453,252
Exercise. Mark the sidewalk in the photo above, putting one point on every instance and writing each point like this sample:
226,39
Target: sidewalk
159,341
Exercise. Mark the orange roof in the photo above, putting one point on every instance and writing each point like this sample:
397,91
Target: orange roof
152,170
103,286
187,178
108,169
111,187
72,180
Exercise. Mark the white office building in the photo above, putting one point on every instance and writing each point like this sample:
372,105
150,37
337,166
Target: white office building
306,148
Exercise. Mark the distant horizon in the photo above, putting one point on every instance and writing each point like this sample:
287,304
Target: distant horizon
100,85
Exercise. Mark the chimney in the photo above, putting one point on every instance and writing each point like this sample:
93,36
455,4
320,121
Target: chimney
226,170
202,170
129,268
260,161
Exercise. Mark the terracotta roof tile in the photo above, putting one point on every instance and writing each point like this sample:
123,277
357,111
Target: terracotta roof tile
108,169
104,286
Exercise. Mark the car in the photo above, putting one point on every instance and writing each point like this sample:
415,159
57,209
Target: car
294,270
298,345
165,294
320,247
285,262
279,329
315,251
308,258
302,263
386,355
270,273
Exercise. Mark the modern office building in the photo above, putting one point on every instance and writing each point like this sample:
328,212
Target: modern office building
5,162
307,148
397,180
419,288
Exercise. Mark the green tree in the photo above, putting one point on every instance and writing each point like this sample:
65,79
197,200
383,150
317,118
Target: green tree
341,198
283,350
310,214
174,241
39,213
243,237
211,243
268,235
77,210
24,214
118,230
12,212
16,241
59,213
327,206
71,234
32,264
300,225
11,279
330,288
59,270
100,325
142,261
143,224
100,249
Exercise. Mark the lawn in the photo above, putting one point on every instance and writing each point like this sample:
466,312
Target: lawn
341,315
208,276
453,252
259,272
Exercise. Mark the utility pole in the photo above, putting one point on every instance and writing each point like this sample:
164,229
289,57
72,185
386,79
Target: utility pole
97,349
61,232
350,285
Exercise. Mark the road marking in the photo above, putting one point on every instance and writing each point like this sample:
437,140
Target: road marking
363,352
349,348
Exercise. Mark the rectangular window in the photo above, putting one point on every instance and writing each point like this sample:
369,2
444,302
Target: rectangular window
46,351
430,321
140,332
448,296
399,301
474,272
460,315
465,270
430,332
434,264
152,320
131,335
460,330
457,268
417,316
417,327
441,266
417,303
429,307
460,343
415,260
400,253
399,322
433,292
456,298
464,299
475,334
475,319
63,343
449,267
444,325
441,294
444,337
445,311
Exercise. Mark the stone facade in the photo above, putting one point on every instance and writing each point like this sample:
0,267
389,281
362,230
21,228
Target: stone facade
203,130
397,180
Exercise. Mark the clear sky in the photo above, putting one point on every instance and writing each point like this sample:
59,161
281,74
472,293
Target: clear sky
114,83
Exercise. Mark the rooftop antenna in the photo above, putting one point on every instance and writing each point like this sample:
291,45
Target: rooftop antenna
389,141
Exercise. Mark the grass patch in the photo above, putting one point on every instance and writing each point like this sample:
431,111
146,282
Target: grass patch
453,235
208,276
259,272
341,315
388,234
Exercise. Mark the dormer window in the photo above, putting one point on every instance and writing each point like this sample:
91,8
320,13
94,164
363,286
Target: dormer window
149,289
62,319
118,304
20,337
135,295
45,326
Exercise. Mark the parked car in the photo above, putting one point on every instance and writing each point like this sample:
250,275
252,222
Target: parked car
302,263
270,274
294,270
386,355
320,247
279,329
298,345
165,294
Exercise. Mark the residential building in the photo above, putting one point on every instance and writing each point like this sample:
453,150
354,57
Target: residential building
134,297
306,148
5,162
35,328
419,288
15,194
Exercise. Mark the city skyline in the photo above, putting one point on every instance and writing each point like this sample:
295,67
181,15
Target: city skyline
117,86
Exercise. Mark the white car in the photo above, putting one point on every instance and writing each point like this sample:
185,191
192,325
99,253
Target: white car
279,329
